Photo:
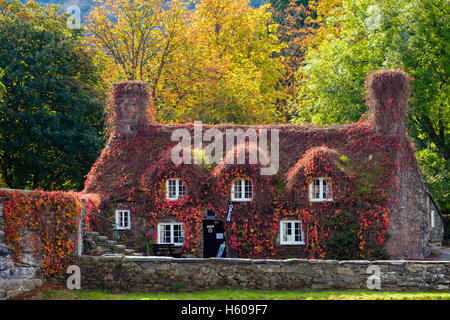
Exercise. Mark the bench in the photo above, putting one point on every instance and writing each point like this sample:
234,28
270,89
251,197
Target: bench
167,250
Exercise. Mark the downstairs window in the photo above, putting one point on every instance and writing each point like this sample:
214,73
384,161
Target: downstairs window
291,232
171,233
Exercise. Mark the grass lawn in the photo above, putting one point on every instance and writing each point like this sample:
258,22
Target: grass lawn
229,294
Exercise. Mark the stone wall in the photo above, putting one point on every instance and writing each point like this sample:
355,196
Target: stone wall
436,233
127,274
16,278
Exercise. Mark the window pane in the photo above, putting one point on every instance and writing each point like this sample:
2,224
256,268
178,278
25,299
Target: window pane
172,189
248,189
237,189
298,232
288,228
161,234
119,218
125,219
177,233
329,195
181,189
284,235
167,233
316,189
325,189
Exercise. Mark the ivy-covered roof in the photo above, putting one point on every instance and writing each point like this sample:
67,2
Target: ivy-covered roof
354,150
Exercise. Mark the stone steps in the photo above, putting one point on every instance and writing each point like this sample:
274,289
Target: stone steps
92,234
111,243
101,245
120,248
102,239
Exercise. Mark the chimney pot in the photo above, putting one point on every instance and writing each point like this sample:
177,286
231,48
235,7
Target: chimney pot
131,102
388,99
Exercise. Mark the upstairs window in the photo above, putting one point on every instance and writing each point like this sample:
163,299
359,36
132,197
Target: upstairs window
291,232
123,219
171,233
242,190
320,190
175,189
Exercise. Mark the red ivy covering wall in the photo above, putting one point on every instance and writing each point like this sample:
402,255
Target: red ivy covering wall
363,161
44,221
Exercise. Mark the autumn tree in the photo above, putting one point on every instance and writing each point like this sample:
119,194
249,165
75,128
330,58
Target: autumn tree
302,25
294,29
33,12
225,69
214,63
293,32
327,18
138,35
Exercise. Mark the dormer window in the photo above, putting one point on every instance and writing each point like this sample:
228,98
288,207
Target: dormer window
123,219
320,190
175,189
242,190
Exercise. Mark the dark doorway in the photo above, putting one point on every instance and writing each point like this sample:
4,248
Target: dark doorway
213,237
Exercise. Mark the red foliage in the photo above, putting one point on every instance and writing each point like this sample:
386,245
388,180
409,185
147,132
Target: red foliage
132,173
388,98
362,160
44,221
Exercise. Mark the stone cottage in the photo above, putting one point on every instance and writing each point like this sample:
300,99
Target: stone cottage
348,191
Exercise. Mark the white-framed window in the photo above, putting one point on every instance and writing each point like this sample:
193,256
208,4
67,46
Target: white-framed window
175,189
171,233
291,232
320,190
432,221
242,190
123,219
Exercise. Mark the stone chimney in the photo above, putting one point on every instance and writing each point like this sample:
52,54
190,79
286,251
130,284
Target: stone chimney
131,108
388,99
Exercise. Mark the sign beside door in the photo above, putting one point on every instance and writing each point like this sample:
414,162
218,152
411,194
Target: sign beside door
230,212
221,249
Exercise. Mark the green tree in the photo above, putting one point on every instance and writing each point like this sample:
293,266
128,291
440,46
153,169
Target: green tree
378,35
343,242
2,87
51,116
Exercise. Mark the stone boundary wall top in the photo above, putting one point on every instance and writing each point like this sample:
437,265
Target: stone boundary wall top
119,273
